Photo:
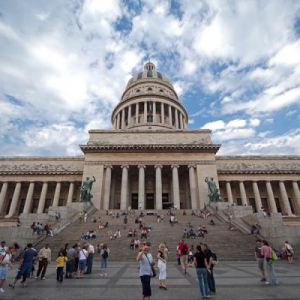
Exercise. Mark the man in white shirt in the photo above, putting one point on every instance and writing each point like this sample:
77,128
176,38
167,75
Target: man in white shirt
3,248
89,262
44,260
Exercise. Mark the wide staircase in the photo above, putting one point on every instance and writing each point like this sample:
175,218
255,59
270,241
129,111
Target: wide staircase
229,245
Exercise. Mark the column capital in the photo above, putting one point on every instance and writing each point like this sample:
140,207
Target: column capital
191,166
141,166
108,167
125,167
175,166
158,166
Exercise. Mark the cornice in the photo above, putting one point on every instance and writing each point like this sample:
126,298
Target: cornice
41,173
160,147
152,163
258,172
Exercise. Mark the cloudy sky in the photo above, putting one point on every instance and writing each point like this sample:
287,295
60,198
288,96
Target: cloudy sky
65,63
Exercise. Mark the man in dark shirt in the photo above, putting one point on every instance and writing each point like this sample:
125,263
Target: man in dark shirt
210,275
25,265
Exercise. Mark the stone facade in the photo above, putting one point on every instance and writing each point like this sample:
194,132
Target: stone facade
149,161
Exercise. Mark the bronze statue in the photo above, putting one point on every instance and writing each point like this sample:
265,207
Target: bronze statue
213,190
85,190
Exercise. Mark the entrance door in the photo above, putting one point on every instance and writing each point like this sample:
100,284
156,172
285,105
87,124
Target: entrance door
149,201
134,201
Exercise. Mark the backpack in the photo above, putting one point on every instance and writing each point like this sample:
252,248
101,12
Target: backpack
185,249
105,254
215,258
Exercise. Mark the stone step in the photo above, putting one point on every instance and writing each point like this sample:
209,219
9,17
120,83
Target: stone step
228,245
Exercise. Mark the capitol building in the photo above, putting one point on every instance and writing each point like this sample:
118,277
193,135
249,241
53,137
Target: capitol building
149,160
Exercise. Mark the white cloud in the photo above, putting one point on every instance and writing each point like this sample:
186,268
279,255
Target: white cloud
214,125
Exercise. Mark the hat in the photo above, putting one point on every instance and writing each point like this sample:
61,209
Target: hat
148,244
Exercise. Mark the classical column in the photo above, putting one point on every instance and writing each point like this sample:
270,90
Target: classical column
124,186
123,119
229,192
142,186
243,193
158,187
297,195
70,194
285,199
136,113
170,115
154,111
3,195
56,194
181,121
193,186
257,198
129,115
28,200
176,119
175,184
107,185
15,200
272,203
162,109
42,200
145,111
118,120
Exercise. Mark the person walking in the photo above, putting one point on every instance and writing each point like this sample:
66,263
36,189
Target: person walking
162,266
183,252
289,251
104,253
61,259
260,259
200,262
25,265
266,252
70,265
44,260
89,261
145,260
5,262
83,254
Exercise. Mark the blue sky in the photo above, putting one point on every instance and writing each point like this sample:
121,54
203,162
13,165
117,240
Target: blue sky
65,63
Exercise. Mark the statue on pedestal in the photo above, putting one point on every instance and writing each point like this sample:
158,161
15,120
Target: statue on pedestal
85,189
213,190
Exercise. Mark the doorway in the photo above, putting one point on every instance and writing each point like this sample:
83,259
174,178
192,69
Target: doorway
149,201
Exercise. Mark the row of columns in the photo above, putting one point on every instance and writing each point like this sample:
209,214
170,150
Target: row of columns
272,205
120,122
141,186
29,197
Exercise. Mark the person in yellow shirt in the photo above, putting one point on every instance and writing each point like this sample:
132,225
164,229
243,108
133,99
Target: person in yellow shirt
61,259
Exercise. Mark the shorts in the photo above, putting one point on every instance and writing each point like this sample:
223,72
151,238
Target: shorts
145,279
3,272
183,259
24,271
82,264
104,263
260,262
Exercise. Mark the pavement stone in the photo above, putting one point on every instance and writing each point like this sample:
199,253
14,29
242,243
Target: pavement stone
234,280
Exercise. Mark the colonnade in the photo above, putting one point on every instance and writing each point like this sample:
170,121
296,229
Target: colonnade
175,187
283,195
153,112
29,196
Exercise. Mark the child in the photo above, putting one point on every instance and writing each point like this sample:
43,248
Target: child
61,259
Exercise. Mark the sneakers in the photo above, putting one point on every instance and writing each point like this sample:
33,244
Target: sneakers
43,278
36,277
267,283
263,280
184,271
1,290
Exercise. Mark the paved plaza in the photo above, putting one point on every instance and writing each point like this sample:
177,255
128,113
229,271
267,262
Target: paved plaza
235,280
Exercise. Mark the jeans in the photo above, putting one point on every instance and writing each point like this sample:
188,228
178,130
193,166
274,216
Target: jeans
270,272
211,281
202,280
60,274
89,263
42,267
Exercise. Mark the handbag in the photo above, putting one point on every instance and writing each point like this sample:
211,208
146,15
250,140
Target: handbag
274,256
153,271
